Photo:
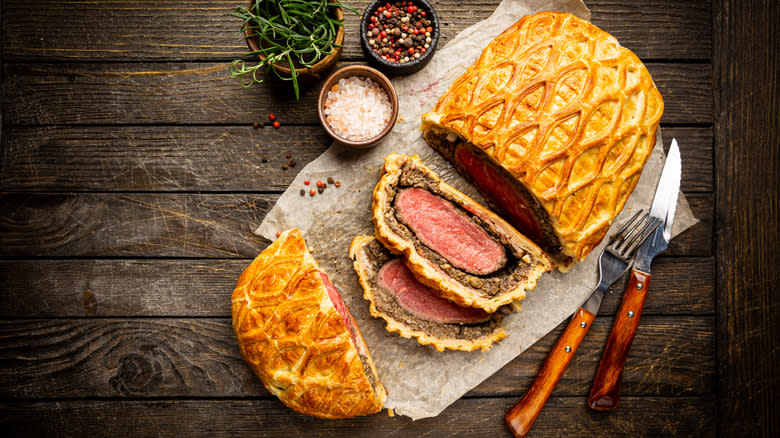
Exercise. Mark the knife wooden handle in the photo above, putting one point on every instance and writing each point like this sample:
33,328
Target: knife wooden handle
605,393
522,416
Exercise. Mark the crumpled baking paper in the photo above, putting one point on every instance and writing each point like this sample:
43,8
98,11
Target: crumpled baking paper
421,382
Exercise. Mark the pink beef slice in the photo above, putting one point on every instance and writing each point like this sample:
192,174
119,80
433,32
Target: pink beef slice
420,300
335,298
503,193
441,227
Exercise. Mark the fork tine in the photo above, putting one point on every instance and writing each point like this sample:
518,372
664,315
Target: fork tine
640,237
631,235
629,224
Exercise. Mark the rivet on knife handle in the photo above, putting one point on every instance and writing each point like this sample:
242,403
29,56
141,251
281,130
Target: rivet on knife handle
605,393
522,416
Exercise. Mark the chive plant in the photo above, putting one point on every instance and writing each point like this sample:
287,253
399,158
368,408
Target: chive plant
296,32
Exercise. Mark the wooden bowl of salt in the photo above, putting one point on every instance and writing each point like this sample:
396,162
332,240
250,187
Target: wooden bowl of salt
358,106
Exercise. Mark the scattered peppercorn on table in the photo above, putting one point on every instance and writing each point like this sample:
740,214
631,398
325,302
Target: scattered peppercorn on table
133,171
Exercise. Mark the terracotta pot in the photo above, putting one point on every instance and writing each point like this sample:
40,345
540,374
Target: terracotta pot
317,70
376,76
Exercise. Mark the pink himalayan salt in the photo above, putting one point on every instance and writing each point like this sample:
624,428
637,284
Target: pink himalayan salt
357,108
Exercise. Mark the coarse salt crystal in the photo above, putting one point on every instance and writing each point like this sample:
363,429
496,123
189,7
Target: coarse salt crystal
357,108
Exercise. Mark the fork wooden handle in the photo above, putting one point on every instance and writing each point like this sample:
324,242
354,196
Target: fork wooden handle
605,393
522,416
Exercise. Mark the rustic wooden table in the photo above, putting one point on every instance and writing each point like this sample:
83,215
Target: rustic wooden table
131,180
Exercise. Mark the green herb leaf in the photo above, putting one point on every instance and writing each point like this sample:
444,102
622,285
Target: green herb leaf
300,32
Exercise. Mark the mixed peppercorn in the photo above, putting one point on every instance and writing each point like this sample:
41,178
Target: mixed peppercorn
321,186
399,32
272,117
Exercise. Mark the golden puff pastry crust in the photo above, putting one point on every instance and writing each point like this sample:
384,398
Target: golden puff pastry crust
567,111
529,261
293,338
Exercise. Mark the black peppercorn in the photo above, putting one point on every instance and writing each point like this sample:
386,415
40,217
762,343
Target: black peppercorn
397,31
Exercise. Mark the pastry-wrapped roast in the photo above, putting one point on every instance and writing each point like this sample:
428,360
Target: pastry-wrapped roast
412,309
450,243
553,123
297,335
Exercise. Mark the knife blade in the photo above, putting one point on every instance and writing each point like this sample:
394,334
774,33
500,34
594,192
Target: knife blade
605,393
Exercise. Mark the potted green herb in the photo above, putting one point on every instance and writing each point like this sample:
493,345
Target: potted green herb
290,37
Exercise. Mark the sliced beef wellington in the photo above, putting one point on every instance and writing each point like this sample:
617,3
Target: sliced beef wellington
450,243
412,309
554,123
298,337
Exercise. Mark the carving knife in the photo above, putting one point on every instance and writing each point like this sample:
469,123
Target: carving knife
605,393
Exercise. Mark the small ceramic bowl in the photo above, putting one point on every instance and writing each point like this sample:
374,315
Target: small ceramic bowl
305,75
402,68
364,71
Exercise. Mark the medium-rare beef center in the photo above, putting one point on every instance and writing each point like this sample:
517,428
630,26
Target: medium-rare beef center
449,242
448,231
412,309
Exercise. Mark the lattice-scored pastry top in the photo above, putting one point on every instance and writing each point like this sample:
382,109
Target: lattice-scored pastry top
567,111
294,339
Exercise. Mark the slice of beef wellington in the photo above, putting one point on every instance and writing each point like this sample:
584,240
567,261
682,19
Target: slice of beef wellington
450,243
298,337
412,310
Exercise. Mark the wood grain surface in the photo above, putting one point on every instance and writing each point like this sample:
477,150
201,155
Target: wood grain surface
204,93
132,224
685,416
748,205
173,287
180,158
210,158
176,30
131,179
183,225
198,357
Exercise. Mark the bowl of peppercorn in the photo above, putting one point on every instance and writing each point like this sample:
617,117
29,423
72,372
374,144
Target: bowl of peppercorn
399,38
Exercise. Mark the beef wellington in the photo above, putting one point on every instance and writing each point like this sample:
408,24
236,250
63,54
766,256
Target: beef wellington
553,123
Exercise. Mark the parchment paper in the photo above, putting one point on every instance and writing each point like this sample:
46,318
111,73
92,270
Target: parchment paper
420,381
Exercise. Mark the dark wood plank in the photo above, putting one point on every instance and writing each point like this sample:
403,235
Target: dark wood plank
645,28
636,417
698,174
184,225
137,225
150,288
748,213
681,286
177,30
203,93
158,158
186,357
696,240
669,356
167,93
209,158
686,90
165,288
